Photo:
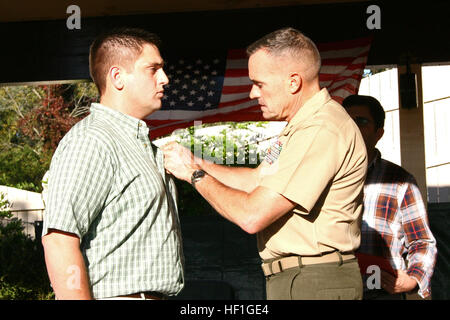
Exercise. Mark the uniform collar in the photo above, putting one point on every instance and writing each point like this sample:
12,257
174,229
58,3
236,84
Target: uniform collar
123,122
309,108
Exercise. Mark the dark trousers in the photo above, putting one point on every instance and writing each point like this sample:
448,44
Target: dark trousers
327,281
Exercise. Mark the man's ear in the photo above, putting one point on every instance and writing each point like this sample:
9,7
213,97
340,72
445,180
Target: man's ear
115,77
379,134
295,82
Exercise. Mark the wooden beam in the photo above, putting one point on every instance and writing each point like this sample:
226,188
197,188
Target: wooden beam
31,10
412,141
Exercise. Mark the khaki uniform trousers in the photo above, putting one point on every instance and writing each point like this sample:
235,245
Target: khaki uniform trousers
327,281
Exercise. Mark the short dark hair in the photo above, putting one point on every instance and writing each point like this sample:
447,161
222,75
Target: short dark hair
375,108
289,40
119,45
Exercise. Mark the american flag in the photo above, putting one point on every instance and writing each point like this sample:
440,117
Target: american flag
216,89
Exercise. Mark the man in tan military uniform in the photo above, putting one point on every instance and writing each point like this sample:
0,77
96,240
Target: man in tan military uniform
305,199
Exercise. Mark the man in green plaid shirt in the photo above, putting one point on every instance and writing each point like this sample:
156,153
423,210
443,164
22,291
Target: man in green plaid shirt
111,227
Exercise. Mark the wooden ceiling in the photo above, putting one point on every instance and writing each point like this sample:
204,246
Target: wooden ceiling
32,10
40,46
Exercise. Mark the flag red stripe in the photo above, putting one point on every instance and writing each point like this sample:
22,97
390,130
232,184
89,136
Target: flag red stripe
350,88
340,61
235,102
234,54
359,67
328,77
345,70
251,114
236,89
236,73
346,44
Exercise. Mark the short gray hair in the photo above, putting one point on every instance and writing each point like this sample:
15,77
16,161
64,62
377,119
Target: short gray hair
291,41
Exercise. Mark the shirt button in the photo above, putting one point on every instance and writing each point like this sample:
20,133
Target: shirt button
145,145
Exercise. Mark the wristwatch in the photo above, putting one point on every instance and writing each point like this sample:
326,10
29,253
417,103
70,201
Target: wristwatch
197,175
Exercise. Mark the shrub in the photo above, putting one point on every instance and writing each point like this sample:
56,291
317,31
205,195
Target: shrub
23,274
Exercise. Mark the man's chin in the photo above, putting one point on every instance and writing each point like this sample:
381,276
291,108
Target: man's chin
156,106
151,109
268,116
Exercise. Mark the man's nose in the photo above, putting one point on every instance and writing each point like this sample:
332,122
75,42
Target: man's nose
254,93
163,79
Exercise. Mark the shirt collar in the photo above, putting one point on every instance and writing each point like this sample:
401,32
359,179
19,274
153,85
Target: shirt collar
310,107
375,159
123,122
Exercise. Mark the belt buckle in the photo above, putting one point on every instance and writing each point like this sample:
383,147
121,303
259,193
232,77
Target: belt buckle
280,266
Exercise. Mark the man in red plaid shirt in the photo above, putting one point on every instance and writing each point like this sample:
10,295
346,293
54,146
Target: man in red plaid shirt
395,224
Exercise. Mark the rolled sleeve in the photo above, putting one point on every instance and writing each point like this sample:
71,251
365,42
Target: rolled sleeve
419,241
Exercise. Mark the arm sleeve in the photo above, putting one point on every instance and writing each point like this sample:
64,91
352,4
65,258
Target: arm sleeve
306,165
81,175
419,241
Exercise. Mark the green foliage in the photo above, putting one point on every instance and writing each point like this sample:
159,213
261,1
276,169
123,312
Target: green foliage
48,122
230,147
24,276
33,119
22,168
4,207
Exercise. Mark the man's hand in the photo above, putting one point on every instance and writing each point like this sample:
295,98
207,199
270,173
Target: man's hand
397,284
252,210
179,161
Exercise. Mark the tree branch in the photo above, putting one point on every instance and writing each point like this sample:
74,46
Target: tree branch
17,107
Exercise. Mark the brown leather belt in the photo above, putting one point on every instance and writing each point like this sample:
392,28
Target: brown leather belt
279,265
147,295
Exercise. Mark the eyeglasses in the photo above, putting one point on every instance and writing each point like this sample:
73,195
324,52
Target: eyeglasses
361,121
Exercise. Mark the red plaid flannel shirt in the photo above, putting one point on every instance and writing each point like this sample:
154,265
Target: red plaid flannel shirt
395,223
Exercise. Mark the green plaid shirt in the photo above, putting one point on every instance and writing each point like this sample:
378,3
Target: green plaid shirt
107,185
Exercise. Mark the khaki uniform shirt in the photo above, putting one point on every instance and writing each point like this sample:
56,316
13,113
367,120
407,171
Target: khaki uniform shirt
319,162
